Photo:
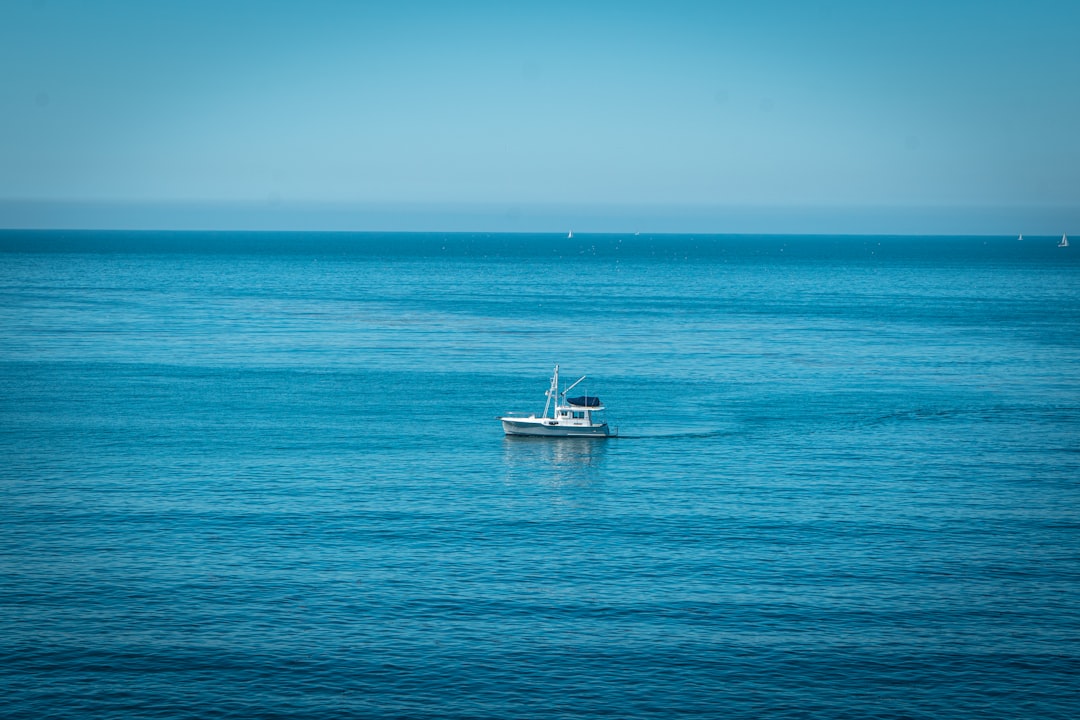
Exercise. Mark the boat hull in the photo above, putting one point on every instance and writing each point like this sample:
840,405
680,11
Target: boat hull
545,428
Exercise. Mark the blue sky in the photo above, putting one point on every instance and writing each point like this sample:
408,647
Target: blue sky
709,116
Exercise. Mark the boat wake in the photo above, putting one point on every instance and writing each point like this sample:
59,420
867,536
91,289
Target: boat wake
674,435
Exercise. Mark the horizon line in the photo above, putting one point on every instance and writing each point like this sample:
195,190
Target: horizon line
504,217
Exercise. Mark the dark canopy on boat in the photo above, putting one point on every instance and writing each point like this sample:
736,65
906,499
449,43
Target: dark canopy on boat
585,401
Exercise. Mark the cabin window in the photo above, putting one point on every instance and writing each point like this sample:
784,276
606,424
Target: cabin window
579,415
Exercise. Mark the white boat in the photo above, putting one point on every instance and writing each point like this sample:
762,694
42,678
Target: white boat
572,417
1064,240
570,235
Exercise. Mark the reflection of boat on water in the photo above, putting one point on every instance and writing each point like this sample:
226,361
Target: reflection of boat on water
559,453
1064,240
572,417
571,468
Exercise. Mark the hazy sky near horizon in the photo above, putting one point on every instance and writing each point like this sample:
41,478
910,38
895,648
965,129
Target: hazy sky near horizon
772,103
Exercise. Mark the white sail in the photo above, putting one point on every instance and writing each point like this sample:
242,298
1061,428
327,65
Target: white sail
1064,240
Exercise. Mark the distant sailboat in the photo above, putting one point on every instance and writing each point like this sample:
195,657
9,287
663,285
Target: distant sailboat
1064,240
1021,236
570,235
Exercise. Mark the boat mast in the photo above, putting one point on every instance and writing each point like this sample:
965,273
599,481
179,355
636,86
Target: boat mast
552,391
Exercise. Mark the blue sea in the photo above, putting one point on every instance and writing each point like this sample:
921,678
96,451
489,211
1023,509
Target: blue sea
260,476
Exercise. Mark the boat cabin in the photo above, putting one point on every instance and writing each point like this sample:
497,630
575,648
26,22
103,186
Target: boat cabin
578,410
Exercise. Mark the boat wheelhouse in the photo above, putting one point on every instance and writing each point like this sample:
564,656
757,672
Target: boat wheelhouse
571,417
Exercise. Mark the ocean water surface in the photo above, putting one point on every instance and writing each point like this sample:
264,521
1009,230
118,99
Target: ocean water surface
260,476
